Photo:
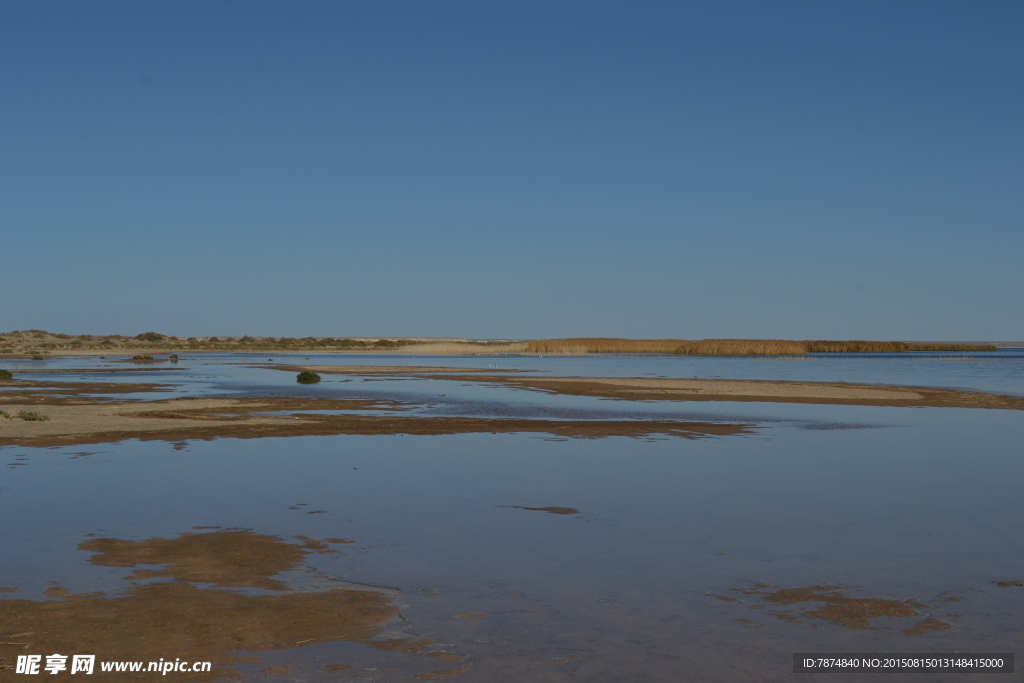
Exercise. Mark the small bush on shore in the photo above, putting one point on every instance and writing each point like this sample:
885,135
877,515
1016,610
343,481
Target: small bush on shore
33,416
150,337
307,377
4,415
5,374
142,357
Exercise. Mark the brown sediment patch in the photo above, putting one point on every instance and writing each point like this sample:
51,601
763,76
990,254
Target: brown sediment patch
833,393
927,626
852,613
837,608
411,645
784,617
551,509
8,589
445,673
1009,584
247,418
445,656
178,619
222,558
723,598
282,670
335,668
474,615
323,547
70,393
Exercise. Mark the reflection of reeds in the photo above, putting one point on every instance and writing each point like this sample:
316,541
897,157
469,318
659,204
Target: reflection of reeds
735,347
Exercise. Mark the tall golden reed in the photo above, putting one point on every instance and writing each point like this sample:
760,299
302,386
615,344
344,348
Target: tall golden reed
735,347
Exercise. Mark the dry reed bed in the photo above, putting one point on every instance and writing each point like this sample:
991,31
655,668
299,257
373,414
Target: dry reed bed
735,347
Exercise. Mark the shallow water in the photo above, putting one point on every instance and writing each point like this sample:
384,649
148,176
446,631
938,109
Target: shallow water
894,503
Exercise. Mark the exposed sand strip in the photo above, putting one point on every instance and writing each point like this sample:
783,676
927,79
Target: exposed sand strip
839,393
671,389
207,418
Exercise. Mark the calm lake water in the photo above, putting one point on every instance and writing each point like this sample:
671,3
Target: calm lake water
653,580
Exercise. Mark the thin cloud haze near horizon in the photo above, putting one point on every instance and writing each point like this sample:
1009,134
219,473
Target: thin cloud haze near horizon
523,170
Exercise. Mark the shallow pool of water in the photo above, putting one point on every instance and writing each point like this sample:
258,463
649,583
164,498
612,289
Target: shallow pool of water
666,571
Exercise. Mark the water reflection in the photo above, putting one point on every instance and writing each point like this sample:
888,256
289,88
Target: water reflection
830,528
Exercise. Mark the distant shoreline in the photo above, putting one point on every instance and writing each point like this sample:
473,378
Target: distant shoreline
38,343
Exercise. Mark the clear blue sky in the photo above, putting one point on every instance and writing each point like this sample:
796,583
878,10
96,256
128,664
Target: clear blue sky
518,169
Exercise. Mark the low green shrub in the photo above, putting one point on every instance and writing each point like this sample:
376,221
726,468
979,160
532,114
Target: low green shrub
307,377
150,336
33,416
5,374
5,415
38,357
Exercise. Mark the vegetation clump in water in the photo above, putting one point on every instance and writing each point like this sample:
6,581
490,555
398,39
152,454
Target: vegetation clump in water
307,377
